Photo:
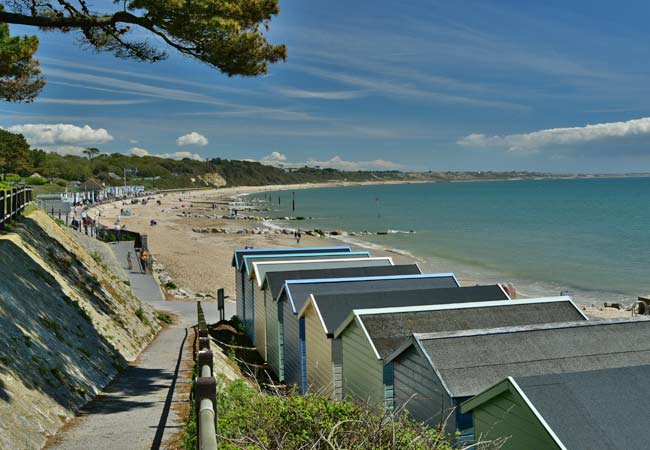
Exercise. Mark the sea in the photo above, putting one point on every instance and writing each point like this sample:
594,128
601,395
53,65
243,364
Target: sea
588,238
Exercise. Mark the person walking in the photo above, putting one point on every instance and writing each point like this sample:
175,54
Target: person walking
298,236
129,260
144,260
118,232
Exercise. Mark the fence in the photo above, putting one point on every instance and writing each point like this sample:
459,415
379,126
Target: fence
205,389
12,202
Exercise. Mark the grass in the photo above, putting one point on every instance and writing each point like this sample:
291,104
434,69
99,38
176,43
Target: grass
164,317
97,257
140,314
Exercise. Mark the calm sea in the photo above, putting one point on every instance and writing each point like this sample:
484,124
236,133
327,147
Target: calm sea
588,236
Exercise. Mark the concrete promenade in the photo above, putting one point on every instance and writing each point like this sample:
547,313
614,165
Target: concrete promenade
135,412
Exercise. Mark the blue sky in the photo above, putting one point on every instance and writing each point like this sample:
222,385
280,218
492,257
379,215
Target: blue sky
420,85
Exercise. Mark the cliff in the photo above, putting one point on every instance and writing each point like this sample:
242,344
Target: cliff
67,326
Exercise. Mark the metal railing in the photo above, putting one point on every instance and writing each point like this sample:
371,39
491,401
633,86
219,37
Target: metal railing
205,389
12,202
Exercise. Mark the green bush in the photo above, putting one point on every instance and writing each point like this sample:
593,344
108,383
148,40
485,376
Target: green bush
164,317
250,420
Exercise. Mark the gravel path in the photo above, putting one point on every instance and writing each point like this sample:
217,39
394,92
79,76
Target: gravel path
135,411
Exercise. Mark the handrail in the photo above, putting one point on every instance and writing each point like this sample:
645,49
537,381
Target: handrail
205,388
12,202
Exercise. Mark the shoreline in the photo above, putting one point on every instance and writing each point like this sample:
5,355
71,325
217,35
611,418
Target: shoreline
199,263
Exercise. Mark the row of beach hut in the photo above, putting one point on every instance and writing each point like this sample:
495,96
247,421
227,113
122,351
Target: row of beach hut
485,366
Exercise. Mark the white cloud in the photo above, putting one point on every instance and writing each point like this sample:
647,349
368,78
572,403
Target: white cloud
93,102
193,138
279,159
275,157
64,149
139,151
133,141
558,136
61,134
321,95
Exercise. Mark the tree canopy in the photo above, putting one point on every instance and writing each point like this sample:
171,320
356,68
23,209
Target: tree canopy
20,79
15,154
226,34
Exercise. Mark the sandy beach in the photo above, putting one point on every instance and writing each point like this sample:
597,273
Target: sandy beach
199,263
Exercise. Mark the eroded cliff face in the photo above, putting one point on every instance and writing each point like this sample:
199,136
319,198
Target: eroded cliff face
67,327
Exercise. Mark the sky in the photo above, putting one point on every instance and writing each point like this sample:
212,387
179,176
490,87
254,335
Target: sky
408,84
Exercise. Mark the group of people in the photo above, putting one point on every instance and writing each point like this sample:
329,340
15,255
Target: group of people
88,225
143,260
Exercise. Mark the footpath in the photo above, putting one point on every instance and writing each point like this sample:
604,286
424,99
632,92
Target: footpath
135,412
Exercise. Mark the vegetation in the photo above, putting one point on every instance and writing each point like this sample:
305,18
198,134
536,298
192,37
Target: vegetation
225,34
20,79
18,162
164,317
249,419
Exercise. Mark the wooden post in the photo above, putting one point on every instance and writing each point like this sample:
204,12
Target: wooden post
221,305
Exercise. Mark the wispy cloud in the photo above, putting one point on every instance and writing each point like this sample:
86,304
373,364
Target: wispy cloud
93,102
401,89
558,136
125,87
321,95
45,61
279,159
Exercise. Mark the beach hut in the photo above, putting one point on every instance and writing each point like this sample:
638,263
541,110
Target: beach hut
274,281
261,294
600,409
250,286
434,373
238,264
323,314
369,336
295,294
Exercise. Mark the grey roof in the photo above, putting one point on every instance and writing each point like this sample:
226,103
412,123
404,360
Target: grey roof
468,362
262,268
276,279
388,331
335,308
600,409
238,255
249,260
299,292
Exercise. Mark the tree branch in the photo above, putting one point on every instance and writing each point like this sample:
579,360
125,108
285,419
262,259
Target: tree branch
90,22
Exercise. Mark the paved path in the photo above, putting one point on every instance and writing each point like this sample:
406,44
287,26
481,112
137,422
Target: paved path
135,411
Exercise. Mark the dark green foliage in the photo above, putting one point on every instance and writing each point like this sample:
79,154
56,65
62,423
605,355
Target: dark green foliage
14,154
226,34
164,317
159,173
20,79
248,419
170,285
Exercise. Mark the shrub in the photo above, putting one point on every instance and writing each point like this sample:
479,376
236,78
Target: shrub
139,313
170,285
164,317
97,257
249,419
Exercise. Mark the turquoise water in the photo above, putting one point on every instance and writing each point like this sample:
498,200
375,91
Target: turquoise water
589,236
